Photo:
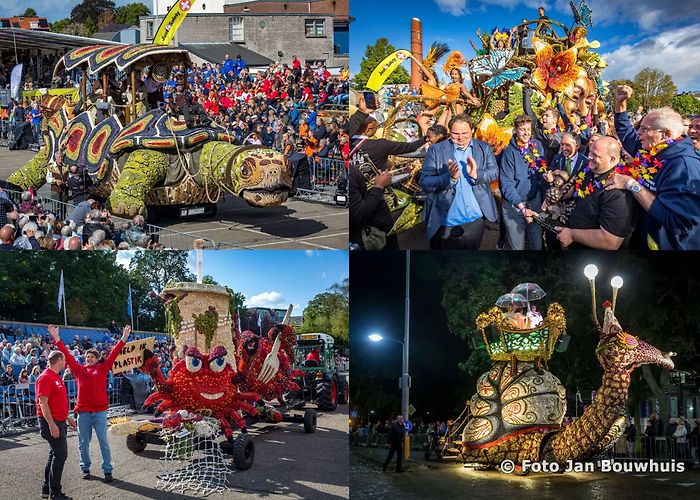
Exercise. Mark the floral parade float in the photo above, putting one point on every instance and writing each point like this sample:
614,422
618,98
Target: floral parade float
136,159
560,65
208,391
518,409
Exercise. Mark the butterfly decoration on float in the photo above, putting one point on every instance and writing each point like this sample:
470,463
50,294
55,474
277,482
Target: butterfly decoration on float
493,65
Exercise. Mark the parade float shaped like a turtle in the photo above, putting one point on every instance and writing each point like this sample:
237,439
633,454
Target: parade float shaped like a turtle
518,409
561,61
208,382
149,160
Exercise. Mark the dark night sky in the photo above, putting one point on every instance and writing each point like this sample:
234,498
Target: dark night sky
377,296
377,305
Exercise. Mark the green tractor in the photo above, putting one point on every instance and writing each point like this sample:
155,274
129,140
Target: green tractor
323,382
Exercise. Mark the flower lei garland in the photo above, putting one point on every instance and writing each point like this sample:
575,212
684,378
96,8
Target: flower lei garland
592,186
645,165
532,156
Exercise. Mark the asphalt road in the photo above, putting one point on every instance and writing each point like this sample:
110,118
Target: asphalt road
298,224
432,479
288,464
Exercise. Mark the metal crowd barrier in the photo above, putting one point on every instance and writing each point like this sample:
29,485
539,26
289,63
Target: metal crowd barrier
657,448
168,238
327,176
18,404
371,439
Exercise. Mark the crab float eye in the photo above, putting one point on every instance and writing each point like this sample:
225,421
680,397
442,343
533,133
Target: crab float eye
193,364
217,365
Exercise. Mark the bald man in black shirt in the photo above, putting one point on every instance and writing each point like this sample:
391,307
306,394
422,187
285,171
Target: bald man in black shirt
602,219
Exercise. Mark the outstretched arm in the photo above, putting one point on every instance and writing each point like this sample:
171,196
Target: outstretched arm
117,348
75,367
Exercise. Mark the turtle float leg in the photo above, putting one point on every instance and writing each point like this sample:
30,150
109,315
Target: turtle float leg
143,170
33,173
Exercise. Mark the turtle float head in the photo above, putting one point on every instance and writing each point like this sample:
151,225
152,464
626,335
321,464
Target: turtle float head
261,176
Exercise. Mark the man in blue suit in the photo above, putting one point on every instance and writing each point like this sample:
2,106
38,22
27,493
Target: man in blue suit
455,177
569,159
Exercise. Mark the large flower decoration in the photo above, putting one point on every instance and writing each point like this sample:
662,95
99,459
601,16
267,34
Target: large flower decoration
554,72
492,133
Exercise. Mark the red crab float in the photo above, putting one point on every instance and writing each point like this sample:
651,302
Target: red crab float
202,384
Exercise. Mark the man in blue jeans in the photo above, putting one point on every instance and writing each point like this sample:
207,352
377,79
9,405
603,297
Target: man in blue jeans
92,402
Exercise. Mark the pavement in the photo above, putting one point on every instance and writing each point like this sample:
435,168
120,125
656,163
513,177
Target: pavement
288,464
430,479
297,224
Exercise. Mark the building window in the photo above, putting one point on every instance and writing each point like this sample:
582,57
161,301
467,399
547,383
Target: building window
315,27
235,29
149,30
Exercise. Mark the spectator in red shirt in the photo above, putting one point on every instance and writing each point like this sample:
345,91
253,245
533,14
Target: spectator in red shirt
92,402
52,409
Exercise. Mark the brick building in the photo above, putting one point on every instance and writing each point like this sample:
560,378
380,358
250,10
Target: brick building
268,28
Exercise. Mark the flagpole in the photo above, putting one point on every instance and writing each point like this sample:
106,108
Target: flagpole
131,308
65,312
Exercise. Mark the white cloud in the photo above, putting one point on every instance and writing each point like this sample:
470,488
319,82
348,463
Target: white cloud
272,300
673,51
266,299
124,257
311,253
323,275
454,7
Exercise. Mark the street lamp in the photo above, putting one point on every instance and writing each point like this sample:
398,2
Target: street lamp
405,378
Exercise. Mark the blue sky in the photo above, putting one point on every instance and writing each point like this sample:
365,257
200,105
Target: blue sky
53,10
272,278
633,33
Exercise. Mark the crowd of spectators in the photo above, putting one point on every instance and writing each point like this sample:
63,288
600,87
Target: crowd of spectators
23,357
28,226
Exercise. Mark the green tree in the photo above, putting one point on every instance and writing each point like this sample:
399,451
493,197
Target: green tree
328,312
130,13
686,104
375,54
654,88
632,104
151,271
29,13
69,27
95,287
88,13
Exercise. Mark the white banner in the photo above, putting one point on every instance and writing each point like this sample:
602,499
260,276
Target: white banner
16,82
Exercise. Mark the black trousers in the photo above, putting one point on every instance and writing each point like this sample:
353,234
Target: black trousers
399,456
57,454
464,237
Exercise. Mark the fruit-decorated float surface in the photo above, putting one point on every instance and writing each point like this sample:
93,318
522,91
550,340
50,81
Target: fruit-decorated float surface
136,159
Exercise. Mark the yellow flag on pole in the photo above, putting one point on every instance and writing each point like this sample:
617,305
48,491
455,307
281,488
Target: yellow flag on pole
171,22
386,68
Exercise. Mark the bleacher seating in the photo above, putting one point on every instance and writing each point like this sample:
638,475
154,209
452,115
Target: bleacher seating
68,333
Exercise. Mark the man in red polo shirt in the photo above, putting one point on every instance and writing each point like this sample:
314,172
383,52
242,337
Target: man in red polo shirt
52,409
92,402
